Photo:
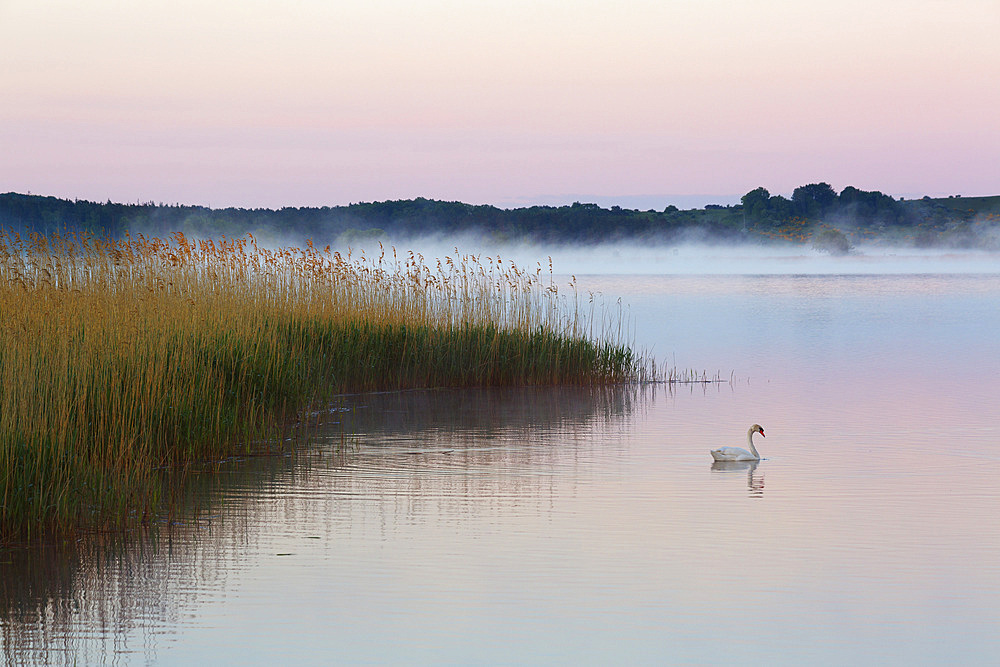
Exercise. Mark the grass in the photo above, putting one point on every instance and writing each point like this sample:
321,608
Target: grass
122,358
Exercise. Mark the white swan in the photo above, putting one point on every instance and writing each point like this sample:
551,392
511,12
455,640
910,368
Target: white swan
738,453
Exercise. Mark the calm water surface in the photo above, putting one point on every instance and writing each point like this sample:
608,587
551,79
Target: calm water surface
561,526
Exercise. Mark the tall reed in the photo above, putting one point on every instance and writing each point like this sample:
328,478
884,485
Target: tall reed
119,358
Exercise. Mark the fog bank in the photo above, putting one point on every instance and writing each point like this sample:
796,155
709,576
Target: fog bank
693,258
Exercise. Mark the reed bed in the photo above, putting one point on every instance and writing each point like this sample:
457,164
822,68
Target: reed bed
122,358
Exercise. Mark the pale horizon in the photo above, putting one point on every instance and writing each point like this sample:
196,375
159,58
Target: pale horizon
251,104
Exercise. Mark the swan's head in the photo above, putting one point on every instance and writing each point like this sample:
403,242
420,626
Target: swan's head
757,428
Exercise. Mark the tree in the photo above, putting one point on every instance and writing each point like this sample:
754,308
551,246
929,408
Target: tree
869,206
814,200
832,241
781,208
755,203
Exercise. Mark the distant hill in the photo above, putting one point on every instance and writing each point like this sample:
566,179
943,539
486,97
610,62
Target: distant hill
969,205
813,210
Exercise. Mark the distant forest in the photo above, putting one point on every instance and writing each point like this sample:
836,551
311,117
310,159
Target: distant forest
815,214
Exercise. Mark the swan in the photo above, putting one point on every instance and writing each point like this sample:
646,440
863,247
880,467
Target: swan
738,453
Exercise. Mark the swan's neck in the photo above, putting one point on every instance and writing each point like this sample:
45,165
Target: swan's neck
753,450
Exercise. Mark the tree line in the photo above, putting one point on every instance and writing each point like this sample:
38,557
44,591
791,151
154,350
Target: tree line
759,217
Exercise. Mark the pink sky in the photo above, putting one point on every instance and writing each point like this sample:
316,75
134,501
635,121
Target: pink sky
308,102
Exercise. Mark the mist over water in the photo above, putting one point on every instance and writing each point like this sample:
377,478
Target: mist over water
758,260
618,258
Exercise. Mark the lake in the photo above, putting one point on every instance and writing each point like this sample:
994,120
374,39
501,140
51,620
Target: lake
589,526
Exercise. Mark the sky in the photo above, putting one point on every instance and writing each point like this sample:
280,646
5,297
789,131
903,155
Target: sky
268,103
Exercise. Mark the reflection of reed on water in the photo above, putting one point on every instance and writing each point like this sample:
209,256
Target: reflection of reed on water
755,480
93,599
439,453
488,410
447,453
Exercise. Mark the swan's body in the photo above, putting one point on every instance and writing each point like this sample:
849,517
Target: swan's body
738,453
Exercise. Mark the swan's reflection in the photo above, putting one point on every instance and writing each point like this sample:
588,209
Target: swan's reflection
755,481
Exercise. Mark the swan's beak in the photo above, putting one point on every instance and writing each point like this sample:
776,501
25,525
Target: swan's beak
762,433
